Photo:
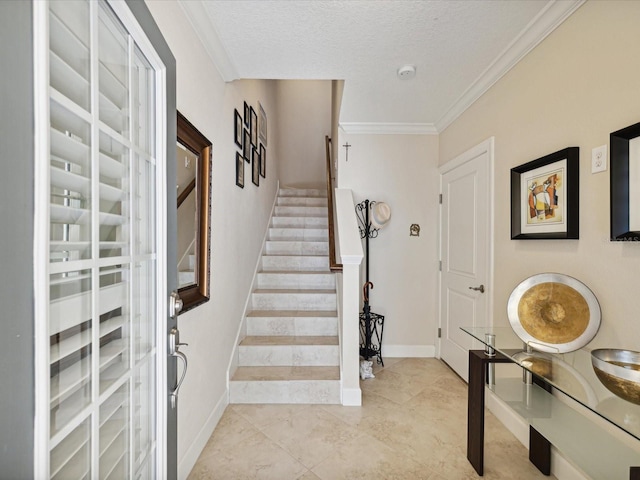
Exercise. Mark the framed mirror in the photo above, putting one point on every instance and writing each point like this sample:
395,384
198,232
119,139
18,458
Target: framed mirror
625,184
193,178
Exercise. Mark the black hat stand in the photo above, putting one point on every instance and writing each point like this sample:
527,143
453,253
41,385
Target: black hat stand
371,324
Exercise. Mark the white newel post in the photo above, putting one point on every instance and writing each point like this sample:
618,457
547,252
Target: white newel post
351,254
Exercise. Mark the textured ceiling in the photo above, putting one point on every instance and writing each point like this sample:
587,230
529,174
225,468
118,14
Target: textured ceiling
459,48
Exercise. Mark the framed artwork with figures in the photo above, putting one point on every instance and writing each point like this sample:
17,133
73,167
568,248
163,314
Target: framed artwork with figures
545,194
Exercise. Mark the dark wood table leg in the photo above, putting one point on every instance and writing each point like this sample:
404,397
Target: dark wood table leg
478,363
475,412
539,451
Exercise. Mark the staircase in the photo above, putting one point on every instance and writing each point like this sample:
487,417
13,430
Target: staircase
188,277
291,352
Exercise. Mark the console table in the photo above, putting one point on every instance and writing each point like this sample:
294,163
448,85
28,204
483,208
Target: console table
558,381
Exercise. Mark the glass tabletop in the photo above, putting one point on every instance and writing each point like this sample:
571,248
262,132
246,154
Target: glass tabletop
571,373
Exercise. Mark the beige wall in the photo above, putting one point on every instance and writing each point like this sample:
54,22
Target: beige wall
304,118
239,219
400,170
575,88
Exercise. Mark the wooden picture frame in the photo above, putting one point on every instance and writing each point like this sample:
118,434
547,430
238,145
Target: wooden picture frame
262,124
246,146
188,136
263,161
545,195
254,128
238,128
239,170
255,167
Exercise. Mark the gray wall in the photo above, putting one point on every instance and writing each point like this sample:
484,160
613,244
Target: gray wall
16,241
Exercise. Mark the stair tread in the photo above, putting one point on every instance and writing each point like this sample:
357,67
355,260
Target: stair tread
296,240
293,313
299,239
273,340
285,373
295,272
293,216
294,290
292,255
297,215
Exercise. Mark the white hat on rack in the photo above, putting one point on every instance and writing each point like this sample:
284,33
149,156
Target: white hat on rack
380,214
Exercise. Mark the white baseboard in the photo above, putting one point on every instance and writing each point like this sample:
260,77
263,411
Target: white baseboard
188,461
561,468
351,397
415,351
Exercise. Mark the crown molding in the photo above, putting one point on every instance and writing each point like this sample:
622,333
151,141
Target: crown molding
199,18
388,128
537,30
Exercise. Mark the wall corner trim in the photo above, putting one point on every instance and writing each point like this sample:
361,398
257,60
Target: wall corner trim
351,397
551,16
196,13
388,128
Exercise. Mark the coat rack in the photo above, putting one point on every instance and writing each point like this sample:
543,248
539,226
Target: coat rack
371,324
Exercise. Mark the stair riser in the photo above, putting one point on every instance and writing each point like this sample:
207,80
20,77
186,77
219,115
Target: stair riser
288,355
299,222
320,281
293,326
302,192
295,262
186,278
293,301
295,391
296,248
301,202
308,234
300,211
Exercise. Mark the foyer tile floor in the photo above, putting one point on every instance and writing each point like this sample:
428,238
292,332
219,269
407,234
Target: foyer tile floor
412,425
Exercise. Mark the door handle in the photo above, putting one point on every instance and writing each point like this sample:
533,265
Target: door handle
174,346
478,289
174,392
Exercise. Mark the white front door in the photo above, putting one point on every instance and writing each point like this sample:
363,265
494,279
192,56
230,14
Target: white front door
465,280
101,245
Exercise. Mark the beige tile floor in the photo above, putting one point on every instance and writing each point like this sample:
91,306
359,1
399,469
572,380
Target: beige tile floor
412,425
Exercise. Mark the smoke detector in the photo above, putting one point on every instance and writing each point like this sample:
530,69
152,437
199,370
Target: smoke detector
406,72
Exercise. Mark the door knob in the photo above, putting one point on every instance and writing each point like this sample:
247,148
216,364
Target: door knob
478,289
175,304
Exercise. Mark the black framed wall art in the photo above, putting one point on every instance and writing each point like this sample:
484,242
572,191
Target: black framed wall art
263,161
545,195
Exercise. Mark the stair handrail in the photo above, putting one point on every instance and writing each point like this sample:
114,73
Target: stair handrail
334,266
185,193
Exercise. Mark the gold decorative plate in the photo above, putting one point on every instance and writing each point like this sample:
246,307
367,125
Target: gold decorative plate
554,313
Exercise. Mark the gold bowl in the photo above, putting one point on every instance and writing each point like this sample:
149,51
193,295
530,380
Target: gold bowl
619,371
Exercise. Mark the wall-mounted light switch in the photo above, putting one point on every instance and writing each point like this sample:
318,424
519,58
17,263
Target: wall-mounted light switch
599,159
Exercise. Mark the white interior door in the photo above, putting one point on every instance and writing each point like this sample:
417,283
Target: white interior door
100,314
465,278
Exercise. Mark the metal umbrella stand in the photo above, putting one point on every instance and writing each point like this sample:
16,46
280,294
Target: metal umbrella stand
371,324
